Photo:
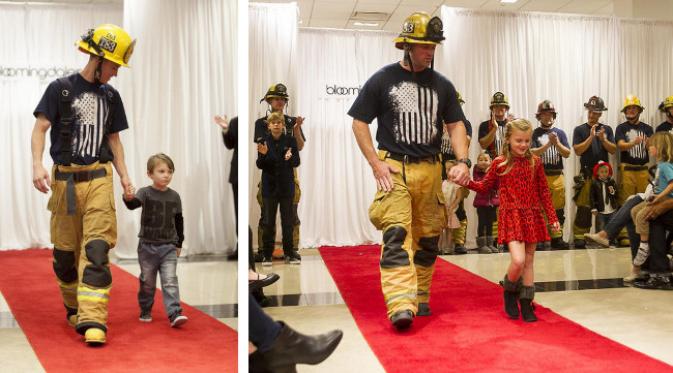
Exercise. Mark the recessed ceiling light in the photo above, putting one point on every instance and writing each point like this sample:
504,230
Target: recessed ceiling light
368,24
508,1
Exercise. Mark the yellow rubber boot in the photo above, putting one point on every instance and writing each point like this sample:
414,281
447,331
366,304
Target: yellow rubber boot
94,336
72,320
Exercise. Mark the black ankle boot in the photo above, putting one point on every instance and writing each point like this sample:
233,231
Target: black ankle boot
291,348
511,296
526,300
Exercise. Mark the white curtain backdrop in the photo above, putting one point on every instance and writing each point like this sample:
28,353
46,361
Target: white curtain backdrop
182,74
272,48
529,56
564,58
337,183
42,38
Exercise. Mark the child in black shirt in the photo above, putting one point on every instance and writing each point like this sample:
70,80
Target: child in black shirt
277,157
161,236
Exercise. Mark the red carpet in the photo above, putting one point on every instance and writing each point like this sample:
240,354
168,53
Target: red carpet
468,331
27,282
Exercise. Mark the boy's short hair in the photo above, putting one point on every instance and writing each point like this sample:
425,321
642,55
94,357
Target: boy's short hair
275,117
158,158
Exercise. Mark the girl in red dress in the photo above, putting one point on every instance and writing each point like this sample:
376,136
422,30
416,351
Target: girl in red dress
524,198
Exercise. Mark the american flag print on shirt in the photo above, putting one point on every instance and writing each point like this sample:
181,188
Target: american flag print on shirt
638,151
91,113
416,113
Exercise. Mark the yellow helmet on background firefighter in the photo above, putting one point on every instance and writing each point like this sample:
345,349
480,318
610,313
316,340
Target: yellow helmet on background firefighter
419,28
110,42
545,106
666,104
499,99
632,100
278,90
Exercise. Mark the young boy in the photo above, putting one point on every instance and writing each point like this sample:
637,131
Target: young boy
277,156
161,236
603,194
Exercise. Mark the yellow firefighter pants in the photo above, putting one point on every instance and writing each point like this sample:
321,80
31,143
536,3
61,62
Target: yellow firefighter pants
411,217
558,199
81,244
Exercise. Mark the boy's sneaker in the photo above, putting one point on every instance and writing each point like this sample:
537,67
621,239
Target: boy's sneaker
641,256
178,320
267,261
145,316
293,258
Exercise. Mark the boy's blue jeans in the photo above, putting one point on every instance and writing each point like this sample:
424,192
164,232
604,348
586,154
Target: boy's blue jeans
162,258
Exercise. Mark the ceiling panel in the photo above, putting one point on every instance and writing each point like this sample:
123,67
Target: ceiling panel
507,7
584,6
543,5
338,11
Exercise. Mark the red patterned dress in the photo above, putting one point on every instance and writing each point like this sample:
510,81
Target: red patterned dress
524,198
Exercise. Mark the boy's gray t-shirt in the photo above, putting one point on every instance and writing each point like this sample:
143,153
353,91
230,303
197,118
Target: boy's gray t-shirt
157,222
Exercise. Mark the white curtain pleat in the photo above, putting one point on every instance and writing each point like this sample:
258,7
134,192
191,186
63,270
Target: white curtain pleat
33,36
337,183
182,74
272,48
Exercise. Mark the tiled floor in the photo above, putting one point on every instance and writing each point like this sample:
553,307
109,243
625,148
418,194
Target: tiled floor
307,299
207,283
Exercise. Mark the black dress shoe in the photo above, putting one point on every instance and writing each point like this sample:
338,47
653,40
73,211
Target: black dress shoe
291,348
262,282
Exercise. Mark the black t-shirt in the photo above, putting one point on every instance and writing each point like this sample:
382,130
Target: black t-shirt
665,126
158,219
92,106
410,112
638,154
551,158
446,147
596,151
496,146
262,129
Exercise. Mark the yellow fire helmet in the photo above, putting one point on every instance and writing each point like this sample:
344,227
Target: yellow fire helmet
419,28
632,100
666,104
110,42
276,91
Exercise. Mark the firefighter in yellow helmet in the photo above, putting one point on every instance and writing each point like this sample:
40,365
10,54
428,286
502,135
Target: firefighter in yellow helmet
412,104
666,107
592,142
277,97
631,138
551,145
85,115
458,235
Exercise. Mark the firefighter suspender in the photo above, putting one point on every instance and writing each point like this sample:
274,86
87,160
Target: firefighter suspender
65,111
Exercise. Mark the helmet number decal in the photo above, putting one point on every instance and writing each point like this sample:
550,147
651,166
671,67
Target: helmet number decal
408,27
107,44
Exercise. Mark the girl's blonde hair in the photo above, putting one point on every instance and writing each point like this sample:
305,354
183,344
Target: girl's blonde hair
521,125
663,142
275,117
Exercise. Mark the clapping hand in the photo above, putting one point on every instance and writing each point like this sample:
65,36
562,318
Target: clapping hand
222,122
288,154
262,148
